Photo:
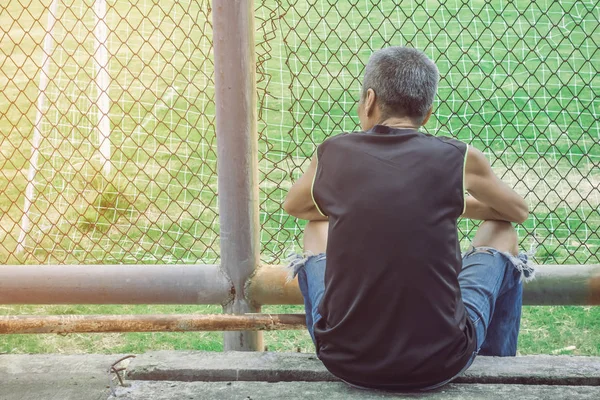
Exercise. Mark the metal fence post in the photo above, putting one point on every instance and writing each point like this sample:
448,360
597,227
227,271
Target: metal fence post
237,155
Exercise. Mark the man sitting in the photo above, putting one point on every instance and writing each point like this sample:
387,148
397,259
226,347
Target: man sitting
390,302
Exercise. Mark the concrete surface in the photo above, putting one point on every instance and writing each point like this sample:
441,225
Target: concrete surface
535,370
229,366
274,367
141,390
160,375
57,377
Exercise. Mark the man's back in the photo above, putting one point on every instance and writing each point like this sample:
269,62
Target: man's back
392,312
389,303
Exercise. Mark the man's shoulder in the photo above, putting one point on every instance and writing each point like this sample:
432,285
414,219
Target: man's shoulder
344,136
449,141
340,138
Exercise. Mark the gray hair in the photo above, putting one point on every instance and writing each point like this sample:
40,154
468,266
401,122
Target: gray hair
404,81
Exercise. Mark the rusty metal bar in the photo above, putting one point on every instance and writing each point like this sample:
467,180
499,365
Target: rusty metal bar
554,285
113,284
19,324
270,285
237,155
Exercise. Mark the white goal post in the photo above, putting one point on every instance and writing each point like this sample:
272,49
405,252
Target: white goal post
102,83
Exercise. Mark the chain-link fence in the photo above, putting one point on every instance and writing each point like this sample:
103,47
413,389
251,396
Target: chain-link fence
107,116
108,145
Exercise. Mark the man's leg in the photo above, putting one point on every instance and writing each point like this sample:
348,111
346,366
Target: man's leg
492,289
311,271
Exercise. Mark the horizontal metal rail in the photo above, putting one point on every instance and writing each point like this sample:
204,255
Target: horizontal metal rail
21,324
114,284
564,285
553,285
205,284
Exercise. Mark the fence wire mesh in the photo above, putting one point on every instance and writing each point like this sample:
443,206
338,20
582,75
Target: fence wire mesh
519,81
107,116
108,146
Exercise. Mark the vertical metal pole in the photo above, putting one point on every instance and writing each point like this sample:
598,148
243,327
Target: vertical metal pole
237,152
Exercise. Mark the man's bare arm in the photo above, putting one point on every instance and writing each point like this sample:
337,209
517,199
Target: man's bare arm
492,199
299,201
475,209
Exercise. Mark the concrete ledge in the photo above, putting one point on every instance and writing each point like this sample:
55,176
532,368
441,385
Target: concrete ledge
535,370
55,376
52,366
191,366
140,390
302,376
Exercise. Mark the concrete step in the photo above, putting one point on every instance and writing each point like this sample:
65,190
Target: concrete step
253,376
275,367
165,390
55,376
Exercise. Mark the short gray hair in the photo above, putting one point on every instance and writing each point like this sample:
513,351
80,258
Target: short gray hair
404,81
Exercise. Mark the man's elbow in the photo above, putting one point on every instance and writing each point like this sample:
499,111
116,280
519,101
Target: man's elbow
290,208
287,206
297,212
522,213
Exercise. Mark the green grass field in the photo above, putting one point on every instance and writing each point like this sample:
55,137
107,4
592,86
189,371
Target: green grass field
519,80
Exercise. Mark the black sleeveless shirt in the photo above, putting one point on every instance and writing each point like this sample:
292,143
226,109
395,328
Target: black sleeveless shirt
392,311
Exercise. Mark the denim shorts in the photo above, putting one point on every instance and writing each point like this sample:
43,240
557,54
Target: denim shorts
491,285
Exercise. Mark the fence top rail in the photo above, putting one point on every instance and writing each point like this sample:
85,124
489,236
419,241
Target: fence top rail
206,284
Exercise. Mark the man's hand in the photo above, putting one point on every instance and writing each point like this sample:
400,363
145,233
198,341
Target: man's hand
299,201
492,199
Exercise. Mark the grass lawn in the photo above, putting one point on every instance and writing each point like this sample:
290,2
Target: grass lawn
519,80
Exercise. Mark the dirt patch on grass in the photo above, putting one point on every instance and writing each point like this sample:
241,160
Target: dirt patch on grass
547,189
